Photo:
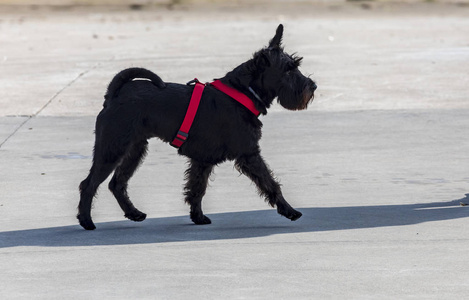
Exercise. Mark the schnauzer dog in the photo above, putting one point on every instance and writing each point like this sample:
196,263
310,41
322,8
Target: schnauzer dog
223,128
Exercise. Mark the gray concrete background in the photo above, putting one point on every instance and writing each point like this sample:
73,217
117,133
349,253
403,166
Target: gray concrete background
378,164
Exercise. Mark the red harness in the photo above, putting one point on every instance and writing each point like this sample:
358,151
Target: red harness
183,132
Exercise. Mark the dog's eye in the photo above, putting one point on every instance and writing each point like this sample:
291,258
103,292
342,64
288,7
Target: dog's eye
291,67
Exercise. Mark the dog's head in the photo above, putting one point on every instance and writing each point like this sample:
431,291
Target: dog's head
275,74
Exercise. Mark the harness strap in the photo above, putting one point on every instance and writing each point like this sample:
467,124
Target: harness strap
236,95
183,132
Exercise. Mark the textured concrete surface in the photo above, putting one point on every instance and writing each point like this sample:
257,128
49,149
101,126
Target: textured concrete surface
378,164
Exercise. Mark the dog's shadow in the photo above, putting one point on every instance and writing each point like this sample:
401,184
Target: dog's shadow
237,225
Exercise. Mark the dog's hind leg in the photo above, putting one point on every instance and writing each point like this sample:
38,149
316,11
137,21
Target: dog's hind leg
88,187
256,169
118,183
197,179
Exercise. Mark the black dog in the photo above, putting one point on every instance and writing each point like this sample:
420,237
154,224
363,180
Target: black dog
136,110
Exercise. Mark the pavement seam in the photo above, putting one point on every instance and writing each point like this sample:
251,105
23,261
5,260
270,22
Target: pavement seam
46,104
61,90
15,131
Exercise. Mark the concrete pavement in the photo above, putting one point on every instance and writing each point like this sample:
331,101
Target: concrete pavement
377,165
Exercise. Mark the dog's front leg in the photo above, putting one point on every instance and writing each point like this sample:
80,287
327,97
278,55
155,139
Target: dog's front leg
257,170
197,179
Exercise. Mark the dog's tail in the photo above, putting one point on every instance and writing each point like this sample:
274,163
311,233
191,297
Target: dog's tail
127,75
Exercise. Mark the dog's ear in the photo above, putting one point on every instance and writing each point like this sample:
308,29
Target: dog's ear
277,40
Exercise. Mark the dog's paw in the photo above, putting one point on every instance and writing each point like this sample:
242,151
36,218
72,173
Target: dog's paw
201,220
86,222
295,215
136,216
290,213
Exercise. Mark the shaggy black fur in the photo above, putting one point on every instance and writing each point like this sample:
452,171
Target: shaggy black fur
136,110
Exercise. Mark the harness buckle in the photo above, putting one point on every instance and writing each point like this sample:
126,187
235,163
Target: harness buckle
193,81
180,138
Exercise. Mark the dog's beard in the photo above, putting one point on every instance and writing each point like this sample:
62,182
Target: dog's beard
296,96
